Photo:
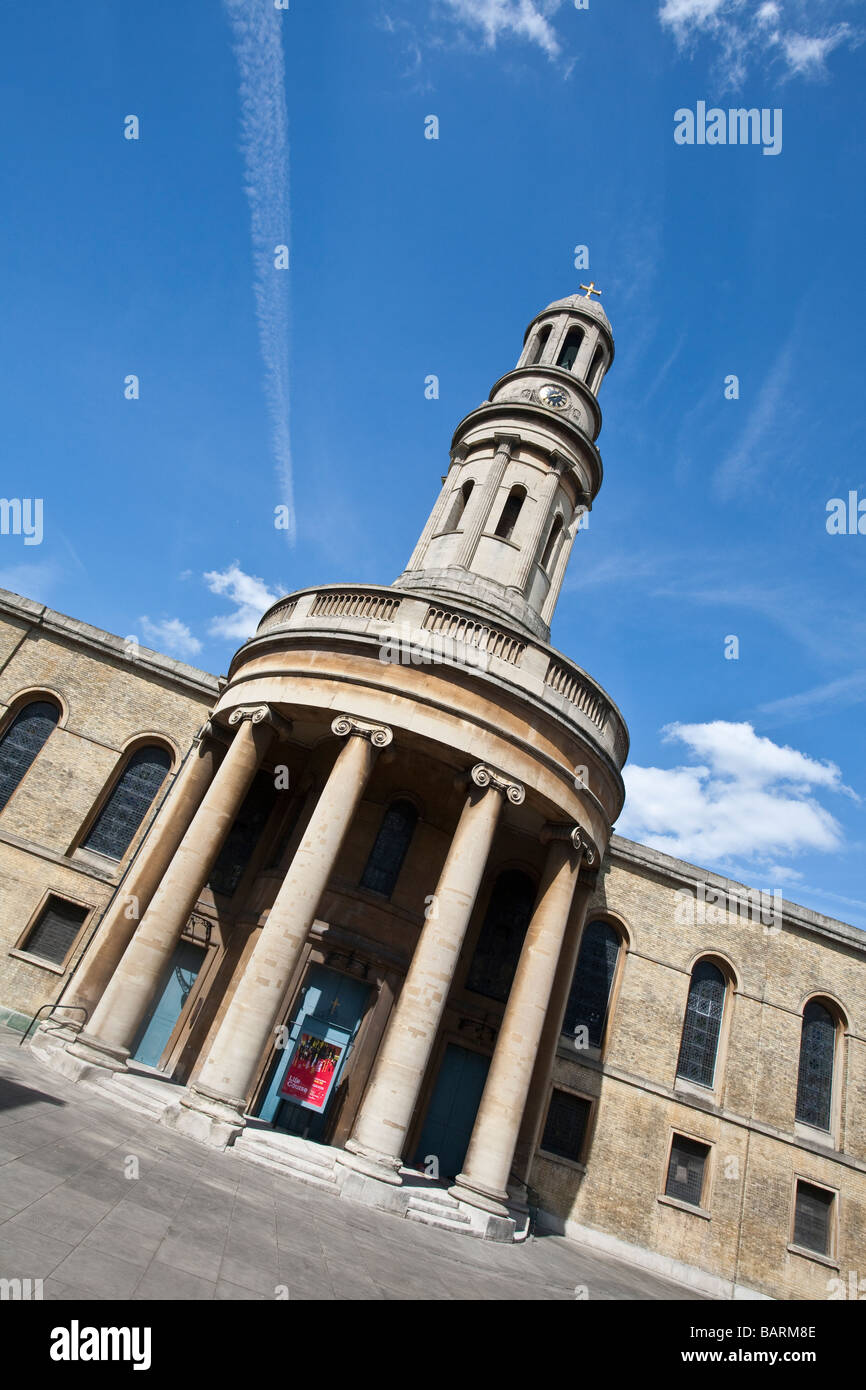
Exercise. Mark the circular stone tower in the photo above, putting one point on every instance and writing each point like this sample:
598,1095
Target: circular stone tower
441,688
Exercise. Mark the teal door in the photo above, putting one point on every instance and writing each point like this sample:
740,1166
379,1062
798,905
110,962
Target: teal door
452,1110
329,1010
166,1009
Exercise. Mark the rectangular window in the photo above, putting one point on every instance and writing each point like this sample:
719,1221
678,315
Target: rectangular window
686,1170
565,1130
53,934
812,1212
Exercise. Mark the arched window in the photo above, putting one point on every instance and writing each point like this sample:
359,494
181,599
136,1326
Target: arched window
22,743
510,513
389,850
552,541
115,827
589,999
458,506
501,938
570,348
703,1024
815,1075
595,371
539,345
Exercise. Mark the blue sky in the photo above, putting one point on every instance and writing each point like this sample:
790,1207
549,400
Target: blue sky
412,256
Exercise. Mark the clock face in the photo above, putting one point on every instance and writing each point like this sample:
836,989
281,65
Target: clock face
554,396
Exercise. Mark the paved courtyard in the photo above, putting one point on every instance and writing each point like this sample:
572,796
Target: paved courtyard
199,1224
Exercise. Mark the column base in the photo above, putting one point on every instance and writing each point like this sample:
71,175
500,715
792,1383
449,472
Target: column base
382,1167
88,1056
207,1117
486,1199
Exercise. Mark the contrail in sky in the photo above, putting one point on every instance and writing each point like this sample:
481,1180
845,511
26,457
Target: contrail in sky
257,40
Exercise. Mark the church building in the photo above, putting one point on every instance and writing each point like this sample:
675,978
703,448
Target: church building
357,913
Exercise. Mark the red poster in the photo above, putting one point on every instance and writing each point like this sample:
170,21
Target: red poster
311,1071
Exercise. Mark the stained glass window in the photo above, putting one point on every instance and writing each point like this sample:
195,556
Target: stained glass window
593,980
703,1024
22,742
389,850
812,1218
501,938
565,1129
815,1076
54,931
244,835
116,825
685,1179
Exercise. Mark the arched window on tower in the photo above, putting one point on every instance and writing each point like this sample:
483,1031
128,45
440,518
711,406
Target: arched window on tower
589,1000
510,512
458,506
22,743
541,340
596,368
389,849
500,940
703,1025
817,1057
129,802
552,546
570,348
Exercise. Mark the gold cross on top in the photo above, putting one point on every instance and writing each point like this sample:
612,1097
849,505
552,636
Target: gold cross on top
591,290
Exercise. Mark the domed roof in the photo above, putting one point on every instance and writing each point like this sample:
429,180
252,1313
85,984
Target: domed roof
585,304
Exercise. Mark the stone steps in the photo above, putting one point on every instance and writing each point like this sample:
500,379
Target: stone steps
436,1208
142,1095
285,1153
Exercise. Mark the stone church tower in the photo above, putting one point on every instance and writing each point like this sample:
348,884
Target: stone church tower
384,772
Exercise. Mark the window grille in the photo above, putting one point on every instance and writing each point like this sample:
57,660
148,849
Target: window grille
703,1023
244,835
593,980
120,818
815,1073
686,1170
812,1218
501,938
389,849
22,742
53,933
565,1128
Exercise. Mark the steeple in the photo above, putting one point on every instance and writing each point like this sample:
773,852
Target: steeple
524,470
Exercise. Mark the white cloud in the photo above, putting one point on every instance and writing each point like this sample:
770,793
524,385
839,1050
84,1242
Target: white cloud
257,32
250,595
747,798
750,32
521,19
170,635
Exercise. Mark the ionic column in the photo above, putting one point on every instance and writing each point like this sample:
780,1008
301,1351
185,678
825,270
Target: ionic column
534,1113
542,521
134,892
124,1004
386,1111
255,1007
480,511
440,507
487,1165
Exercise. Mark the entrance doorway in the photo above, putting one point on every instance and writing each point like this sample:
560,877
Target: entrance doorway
452,1109
160,1022
299,1098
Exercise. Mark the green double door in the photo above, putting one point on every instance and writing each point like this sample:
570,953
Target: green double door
452,1110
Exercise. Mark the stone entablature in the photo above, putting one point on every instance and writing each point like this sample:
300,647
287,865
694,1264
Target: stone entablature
413,630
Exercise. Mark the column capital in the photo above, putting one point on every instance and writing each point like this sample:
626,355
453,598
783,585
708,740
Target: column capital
484,776
261,714
346,724
580,841
505,443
